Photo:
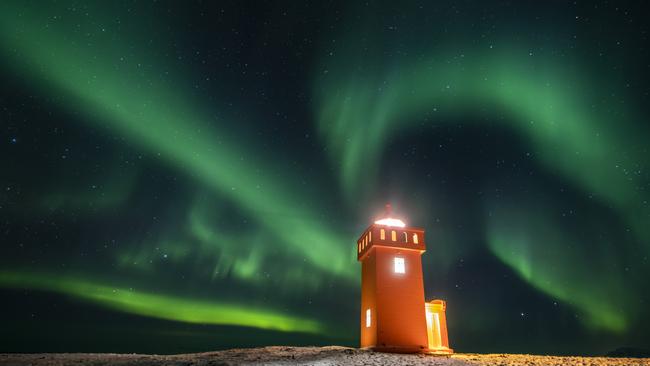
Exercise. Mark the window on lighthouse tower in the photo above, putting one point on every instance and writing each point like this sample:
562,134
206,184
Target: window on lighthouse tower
399,265
368,318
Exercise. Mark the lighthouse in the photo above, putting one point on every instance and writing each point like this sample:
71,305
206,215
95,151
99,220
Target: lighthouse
394,314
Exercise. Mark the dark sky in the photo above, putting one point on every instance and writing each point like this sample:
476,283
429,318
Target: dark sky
181,177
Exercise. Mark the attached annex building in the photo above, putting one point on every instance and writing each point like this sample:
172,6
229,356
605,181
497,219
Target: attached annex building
394,315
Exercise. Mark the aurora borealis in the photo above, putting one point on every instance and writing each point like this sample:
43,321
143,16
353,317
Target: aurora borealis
197,174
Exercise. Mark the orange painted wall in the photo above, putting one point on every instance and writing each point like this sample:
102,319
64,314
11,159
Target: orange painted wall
395,299
401,318
368,270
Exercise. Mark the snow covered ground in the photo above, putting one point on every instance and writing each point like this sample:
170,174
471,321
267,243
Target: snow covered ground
332,355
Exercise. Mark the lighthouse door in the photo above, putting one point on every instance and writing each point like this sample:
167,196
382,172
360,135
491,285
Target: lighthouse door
433,329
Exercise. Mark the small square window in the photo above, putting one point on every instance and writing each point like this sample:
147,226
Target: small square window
399,265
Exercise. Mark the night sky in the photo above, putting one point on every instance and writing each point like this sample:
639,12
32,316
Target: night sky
183,177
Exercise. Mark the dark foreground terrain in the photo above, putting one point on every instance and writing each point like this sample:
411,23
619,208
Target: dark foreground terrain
307,356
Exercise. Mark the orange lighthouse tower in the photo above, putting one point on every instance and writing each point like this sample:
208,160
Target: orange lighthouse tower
394,315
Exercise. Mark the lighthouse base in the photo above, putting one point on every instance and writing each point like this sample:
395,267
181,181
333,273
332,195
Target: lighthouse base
441,351
397,349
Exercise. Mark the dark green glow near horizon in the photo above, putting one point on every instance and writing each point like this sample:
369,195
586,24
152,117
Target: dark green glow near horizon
531,243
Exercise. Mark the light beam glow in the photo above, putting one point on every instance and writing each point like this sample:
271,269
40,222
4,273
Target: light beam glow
391,222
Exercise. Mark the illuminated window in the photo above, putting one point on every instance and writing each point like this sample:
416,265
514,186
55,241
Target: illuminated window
406,237
368,318
415,238
382,234
399,265
370,236
393,235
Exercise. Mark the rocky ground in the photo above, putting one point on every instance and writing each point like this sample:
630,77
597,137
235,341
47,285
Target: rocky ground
308,356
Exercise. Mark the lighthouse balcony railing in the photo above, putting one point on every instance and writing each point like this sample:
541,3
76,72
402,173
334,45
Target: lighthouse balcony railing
377,235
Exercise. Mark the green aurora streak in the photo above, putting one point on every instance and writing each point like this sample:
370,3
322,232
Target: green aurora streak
216,251
160,306
531,242
543,101
138,103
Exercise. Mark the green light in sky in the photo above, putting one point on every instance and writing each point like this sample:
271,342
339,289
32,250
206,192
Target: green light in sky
533,244
214,250
109,84
545,100
557,111
137,99
159,305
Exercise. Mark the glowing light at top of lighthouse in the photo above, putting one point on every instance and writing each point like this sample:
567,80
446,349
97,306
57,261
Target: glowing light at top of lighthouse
390,222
